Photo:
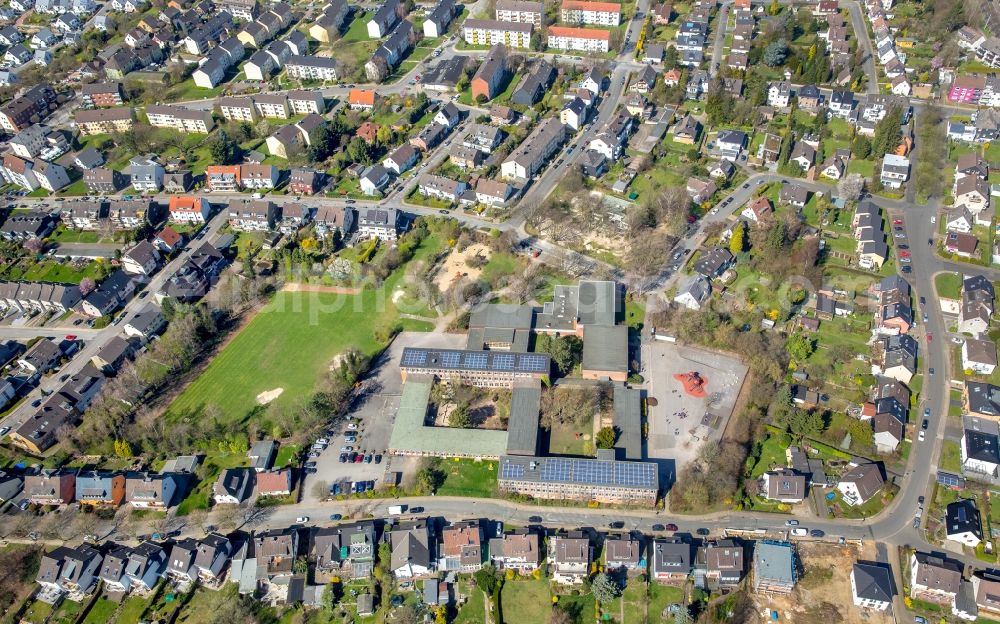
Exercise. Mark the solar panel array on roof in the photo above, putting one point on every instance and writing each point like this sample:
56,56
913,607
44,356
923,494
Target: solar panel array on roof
475,360
536,363
581,471
414,358
504,361
511,471
949,479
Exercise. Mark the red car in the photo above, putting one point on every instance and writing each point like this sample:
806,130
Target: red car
930,337
671,527
897,222
904,254
71,337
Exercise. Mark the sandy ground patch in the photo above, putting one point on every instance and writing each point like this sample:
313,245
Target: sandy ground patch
455,267
398,294
269,395
824,591
335,362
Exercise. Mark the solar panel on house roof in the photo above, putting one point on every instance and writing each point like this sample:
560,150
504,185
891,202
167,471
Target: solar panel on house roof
451,359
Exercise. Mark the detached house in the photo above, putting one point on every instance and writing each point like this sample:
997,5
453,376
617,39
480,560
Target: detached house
413,550
963,523
872,586
980,446
861,483
624,552
670,561
978,300
724,564
520,551
462,547
569,558
979,356
934,579
345,550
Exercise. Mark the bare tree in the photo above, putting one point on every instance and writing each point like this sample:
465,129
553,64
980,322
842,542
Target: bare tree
850,187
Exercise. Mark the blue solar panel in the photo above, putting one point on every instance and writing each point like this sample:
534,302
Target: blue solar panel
511,471
537,363
414,357
503,361
949,479
451,359
476,360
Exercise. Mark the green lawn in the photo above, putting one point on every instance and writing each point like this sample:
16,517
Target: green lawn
524,602
948,285
50,271
101,612
286,455
131,610
467,477
569,439
500,264
772,453
661,597
474,608
289,345
864,167
581,607
66,235
951,457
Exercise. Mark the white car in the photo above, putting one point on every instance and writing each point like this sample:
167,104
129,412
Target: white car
800,532
322,441
4,431
302,519
346,449
352,426
922,435
791,523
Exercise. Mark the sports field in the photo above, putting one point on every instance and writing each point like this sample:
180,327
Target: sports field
291,343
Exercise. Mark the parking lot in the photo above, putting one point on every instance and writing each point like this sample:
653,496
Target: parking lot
375,410
679,424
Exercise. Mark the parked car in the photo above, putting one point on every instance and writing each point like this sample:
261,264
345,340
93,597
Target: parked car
302,519
671,527
791,523
659,527
335,517
531,519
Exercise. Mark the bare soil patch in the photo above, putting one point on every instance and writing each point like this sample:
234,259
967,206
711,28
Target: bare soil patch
266,397
455,266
